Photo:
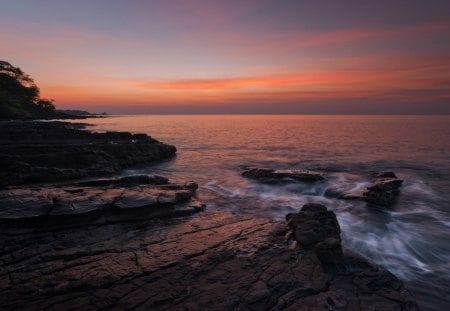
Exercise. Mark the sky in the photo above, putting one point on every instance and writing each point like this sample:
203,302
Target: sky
245,56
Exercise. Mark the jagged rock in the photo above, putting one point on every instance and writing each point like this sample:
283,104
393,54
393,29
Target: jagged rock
55,151
273,176
383,192
313,224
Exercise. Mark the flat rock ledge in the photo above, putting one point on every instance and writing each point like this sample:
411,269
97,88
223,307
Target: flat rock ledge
100,200
266,175
212,261
34,152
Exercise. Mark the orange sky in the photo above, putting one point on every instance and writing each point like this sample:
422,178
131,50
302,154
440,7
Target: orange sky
152,57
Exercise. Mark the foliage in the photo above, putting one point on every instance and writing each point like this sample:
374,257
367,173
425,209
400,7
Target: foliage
19,95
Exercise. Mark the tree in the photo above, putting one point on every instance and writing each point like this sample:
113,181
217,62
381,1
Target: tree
19,95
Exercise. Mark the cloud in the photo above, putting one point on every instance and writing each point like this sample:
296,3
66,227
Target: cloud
268,43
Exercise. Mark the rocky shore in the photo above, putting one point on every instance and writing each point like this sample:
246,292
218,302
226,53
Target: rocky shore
71,241
35,152
214,260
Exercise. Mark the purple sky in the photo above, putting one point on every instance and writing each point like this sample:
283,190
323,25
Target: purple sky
278,56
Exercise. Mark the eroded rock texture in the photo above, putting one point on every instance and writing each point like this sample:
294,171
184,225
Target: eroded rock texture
314,227
102,200
211,261
34,152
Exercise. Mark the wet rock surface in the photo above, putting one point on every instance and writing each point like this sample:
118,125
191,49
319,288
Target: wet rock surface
385,189
102,200
108,243
274,176
215,260
55,151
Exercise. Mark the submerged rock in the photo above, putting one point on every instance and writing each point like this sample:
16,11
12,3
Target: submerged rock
55,151
273,176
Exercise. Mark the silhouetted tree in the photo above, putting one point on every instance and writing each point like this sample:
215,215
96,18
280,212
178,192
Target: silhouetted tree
19,95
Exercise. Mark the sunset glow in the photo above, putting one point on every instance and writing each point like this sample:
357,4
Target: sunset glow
234,56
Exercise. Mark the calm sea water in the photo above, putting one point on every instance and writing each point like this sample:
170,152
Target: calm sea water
411,239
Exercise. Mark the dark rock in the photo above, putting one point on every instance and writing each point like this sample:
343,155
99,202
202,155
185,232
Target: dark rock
383,192
55,151
144,179
316,227
126,181
384,175
313,224
273,176
314,208
216,260
329,252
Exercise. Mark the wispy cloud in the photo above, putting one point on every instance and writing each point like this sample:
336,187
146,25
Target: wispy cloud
268,43
216,53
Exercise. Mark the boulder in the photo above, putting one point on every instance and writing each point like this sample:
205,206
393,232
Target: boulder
313,224
383,192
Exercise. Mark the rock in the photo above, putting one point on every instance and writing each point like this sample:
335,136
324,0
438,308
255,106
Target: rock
383,192
100,197
216,260
136,200
329,252
24,202
313,224
35,152
274,176
126,181
384,175
143,180
313,208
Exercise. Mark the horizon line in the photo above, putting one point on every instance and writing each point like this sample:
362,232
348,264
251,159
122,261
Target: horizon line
275,114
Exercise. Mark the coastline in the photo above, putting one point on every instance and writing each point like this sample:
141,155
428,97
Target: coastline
154,261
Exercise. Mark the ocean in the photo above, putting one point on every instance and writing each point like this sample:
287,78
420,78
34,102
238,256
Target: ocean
411,238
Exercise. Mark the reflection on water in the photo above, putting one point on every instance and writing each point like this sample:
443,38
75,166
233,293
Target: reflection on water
410,239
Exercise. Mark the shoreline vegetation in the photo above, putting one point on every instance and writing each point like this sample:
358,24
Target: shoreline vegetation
74,232
20,98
